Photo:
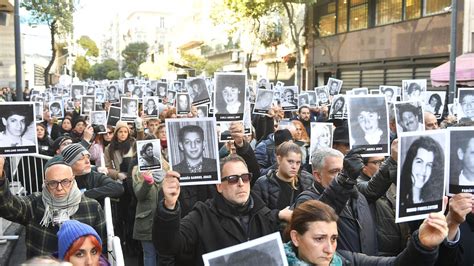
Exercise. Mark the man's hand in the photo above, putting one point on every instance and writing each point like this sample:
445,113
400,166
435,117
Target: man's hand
285,214
394,150
459,206
2,164
237,132
88,133
434,229
171,189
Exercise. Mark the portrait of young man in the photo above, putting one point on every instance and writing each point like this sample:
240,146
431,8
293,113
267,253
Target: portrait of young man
334,86
461,176
17,131
196,156
87,104
183,103
198,91
409,116
466,102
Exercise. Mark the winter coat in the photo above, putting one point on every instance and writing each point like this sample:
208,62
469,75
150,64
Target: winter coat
265,154
99,186
210,226
268,188
356,225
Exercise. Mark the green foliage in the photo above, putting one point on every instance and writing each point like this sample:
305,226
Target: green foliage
200,64
88,44
134,55
109,69
254,9
58,11
82,67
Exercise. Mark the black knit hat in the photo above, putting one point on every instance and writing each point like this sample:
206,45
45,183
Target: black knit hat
57,143
341,135
73,153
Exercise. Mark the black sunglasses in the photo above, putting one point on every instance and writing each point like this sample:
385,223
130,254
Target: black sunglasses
234,179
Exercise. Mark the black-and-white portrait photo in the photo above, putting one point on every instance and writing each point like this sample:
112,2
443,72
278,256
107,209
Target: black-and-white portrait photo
176,86
161,89
202,111
390,92
90,90
149,155
321,136
171,96
322,95
466,104
98,119
266,250
196,156
183,103
150,107
360,91
129,109
77,91
263,102
198,91
334,86
368,124
421,174
113,94
461,160
338,107
312,98
17,129
128,85
113,116
100,95
68,104
409,116
39,111
229,101
56,109
412,89
138,92
87,105
303,99
434,102
289,98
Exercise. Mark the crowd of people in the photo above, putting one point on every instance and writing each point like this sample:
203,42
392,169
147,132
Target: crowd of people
331,205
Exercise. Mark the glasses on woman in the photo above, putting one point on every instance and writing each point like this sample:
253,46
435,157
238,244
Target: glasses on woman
234,179
65,183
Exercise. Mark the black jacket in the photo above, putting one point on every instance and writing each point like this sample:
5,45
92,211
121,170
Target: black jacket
98,186
210,226
356,226
268,189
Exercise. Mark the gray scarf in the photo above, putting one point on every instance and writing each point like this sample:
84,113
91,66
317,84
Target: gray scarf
60,208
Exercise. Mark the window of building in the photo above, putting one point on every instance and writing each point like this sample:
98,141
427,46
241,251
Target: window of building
435,6
327,21
412,9
342,16
388,11
358,14
162,22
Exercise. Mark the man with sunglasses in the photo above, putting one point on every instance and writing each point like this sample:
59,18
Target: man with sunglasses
231,217
43,212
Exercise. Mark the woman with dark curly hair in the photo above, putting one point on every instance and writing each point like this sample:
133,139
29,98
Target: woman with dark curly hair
422,172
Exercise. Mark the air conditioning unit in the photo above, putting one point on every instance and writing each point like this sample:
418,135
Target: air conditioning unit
235,57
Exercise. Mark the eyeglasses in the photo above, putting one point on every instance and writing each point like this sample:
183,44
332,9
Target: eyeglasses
378,163
65,183
234,179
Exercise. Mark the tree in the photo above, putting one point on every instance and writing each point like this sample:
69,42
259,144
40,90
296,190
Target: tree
134,55
82,67
296,12
57,14
89,45
200,64
103,70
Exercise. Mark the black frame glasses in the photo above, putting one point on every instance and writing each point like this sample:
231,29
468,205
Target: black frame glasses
65,183
378,163
234,179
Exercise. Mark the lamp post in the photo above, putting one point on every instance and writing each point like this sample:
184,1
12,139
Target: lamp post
18,62
452,52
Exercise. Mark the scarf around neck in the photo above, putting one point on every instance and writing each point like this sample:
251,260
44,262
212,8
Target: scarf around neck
63,207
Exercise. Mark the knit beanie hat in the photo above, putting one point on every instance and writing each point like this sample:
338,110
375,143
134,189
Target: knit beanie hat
76,121
119,125
281,136
57,143
69,232
73,153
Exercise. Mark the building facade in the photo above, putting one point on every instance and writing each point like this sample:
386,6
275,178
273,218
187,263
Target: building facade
368,43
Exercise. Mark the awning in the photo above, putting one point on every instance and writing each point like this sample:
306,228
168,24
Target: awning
464,72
